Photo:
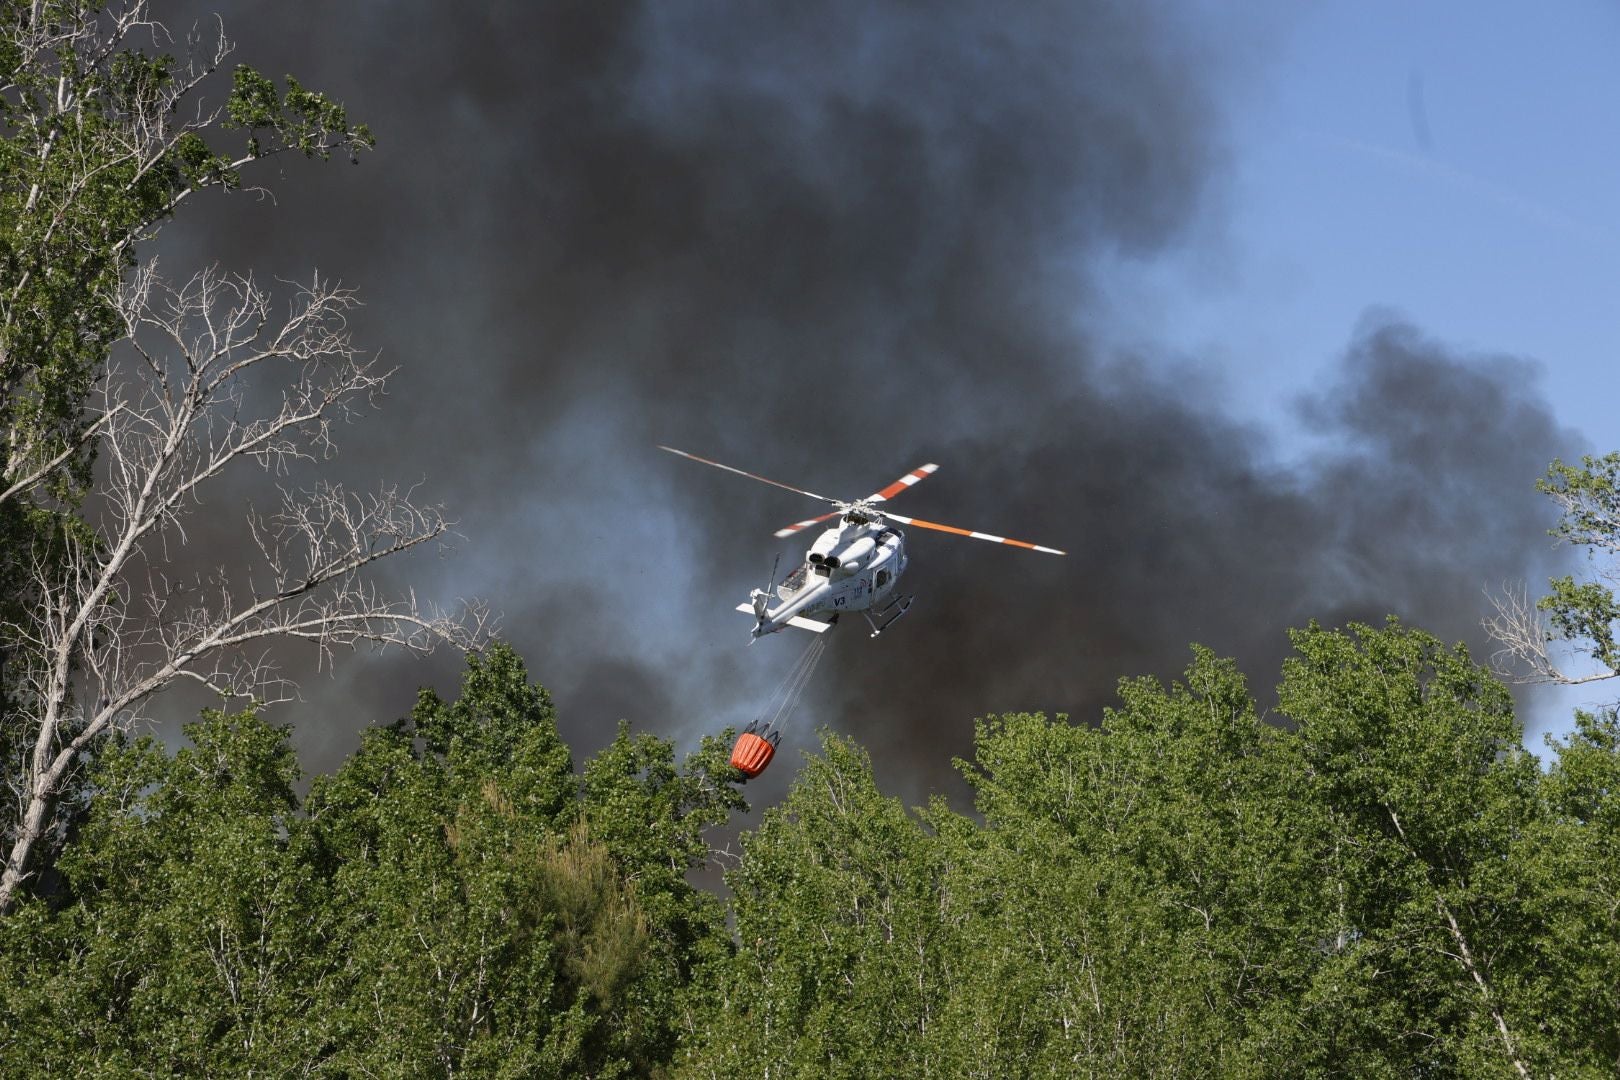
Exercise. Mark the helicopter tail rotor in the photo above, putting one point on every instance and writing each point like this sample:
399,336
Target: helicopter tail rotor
758,605
760,599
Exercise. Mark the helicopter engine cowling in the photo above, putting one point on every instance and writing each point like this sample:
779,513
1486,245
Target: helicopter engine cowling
825,544
855,556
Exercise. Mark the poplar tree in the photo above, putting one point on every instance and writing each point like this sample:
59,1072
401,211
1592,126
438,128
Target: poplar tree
107,126
454,899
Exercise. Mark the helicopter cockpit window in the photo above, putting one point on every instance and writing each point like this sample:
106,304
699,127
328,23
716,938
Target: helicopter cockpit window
882,578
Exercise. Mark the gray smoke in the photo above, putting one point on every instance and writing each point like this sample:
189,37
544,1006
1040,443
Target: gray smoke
828,243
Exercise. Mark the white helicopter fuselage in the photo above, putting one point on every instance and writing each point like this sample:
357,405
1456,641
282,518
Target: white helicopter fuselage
853,566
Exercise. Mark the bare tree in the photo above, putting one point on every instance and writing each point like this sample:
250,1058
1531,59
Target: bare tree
1583,614
1525,631
1524,639
114,617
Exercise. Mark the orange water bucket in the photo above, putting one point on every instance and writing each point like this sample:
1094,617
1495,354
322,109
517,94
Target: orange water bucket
752,754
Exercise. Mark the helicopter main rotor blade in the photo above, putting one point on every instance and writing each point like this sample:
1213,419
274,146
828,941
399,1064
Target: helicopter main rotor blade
937,527
881,496
901,484
751,476
791,529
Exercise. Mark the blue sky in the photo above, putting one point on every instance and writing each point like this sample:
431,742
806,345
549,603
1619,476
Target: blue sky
1456,163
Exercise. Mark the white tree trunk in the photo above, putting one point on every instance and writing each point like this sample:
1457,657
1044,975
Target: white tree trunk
114,621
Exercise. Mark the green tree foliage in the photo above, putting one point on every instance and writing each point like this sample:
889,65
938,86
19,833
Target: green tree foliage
452,900
1567,870
843,918
1586,612
1578,616
1414,754
1381,884
1127,908
650,815
193,942
1180,840
104,135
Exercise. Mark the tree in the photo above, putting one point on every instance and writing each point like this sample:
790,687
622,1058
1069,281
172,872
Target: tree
112,621
451,900
1380,884
436,837
1568,870
97,612
1584,614
1133,903
1413,754
842,938
191,936
1151,882
102,142
497,914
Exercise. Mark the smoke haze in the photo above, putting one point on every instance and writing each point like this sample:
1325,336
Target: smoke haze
829,243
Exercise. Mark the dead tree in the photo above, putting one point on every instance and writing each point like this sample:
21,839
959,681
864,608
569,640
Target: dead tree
209,377
1523,637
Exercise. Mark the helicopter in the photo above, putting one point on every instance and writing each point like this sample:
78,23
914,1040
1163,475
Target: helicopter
854,566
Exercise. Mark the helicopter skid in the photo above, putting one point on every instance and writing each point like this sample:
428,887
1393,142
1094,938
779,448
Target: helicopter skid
902,603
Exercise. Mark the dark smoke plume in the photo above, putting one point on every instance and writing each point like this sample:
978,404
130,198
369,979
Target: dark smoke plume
828,243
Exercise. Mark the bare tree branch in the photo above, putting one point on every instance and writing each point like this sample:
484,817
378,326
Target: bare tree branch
28,480
1524,636
116,619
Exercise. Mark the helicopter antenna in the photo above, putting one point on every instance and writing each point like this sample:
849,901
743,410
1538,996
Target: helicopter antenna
762,600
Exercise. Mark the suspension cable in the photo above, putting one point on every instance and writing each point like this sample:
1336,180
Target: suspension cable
780,705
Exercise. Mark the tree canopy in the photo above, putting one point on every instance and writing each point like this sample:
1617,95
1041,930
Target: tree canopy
1368,885
453,899
1379,881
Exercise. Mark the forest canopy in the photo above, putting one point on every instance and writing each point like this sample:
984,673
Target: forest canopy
1378,881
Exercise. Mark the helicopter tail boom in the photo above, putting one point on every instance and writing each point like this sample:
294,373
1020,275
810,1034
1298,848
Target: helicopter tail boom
798,620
